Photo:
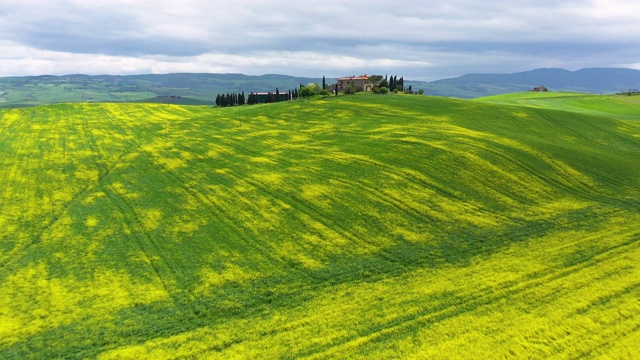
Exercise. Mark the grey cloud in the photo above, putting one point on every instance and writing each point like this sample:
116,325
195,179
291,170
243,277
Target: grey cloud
444,37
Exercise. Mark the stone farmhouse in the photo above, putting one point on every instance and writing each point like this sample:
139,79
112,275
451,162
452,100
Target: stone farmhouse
361,81
541,88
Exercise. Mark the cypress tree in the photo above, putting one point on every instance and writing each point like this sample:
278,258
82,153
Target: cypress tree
277,95
384,82
324,83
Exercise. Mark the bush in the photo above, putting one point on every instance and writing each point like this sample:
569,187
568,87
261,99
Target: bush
307,91
352,89
383,90
324,92
421,92
310,90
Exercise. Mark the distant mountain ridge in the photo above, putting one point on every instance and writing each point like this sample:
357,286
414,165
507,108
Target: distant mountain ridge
589,80
202,88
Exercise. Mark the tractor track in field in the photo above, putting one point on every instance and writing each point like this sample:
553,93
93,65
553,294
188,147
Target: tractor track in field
38,233
582,190
218,213
7,141
54,218
599,351
467,302
148,246
102,164
104,173
231,228
306,209
545,264
592,124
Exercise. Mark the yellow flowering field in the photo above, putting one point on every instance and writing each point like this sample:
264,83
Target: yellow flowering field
349,227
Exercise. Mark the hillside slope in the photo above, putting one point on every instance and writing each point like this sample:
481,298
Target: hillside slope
349,227
591,80
192,88
621,107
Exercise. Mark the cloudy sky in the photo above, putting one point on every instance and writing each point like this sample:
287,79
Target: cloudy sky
421,40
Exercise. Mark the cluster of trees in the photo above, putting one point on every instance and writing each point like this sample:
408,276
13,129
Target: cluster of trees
390,83
381,85
231,99
312,89
630,92
272,97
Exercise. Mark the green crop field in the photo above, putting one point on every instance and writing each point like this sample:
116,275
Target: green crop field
352,227
616,106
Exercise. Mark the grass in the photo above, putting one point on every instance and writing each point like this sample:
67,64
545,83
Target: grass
193,89
359,227
616,106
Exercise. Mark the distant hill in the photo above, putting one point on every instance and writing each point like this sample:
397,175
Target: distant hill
202,88
194,88
593,80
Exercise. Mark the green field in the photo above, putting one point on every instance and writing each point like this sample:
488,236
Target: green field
614,106
192,89
352,227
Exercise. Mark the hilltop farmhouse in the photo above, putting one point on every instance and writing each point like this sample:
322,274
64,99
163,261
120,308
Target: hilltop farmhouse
540,88
361,81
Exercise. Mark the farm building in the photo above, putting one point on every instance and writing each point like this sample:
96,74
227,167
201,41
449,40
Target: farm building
540,88
361,81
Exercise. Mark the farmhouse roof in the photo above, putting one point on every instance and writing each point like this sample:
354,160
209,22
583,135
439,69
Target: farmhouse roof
361,77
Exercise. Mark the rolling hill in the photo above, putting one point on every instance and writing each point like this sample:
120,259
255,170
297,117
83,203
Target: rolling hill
591,80
619,107
202,89
343,227
191,88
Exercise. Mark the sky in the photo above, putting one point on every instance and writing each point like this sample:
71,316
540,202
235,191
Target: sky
420,40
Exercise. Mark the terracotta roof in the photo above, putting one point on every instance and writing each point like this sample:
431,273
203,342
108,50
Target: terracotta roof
361,77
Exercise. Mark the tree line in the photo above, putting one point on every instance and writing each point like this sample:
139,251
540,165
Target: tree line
237,99
392,83
230,99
